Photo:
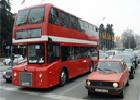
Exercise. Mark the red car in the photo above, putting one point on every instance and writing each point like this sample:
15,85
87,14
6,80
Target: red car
110,76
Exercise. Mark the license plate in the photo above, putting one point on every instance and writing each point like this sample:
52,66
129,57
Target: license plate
7,76
25,84
101,90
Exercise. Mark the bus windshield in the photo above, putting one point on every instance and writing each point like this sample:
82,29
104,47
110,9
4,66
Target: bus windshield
22,17
30,16
36,53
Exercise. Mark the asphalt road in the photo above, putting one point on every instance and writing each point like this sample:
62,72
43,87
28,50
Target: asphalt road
74,90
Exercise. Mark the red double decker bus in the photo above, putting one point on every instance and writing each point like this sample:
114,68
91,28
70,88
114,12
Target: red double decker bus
59,46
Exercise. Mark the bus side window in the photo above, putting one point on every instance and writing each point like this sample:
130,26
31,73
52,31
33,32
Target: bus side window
65,20
71,53
65,53
54,16
93,52
56,52
73,22
53,53
83,52
76,52
82,25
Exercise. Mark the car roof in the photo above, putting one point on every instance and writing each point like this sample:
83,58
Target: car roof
119,60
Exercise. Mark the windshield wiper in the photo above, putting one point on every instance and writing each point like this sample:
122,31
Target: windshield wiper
106,69
99,69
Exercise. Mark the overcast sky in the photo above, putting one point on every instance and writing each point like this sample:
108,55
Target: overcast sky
123,14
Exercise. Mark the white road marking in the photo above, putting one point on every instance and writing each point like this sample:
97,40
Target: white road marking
61,97
71,88
2,98
8,88
1,80
46,95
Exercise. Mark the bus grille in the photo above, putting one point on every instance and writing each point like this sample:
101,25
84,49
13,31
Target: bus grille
25,79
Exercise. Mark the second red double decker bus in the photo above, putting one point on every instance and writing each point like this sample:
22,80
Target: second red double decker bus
59,46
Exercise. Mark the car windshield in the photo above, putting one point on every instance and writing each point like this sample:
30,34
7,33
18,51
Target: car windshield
36,53
109,66
30,16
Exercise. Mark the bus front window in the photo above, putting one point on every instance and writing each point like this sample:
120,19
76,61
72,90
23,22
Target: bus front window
36,53
22,17
36,15
30,16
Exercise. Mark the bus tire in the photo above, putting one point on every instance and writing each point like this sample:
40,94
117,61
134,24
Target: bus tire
63,77
90,93
8,81
91,67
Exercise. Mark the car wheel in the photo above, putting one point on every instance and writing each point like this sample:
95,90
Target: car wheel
63,78
132,74
90,93
91,68
8,81
127,84
4,63
122,93
10,63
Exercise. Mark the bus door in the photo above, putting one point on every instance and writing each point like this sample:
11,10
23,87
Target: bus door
84,59
79,61
54,62
69,61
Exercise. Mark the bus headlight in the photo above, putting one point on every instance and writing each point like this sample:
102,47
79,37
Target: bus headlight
88,82
115,85
15,74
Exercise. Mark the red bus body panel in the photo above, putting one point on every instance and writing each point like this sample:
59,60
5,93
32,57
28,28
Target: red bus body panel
51,72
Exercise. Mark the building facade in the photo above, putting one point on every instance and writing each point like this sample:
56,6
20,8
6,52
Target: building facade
106,41
106,37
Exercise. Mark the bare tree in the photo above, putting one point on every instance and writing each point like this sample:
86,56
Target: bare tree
137,39
128,39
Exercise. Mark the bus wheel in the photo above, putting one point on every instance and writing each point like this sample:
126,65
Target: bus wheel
63,78
91,68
